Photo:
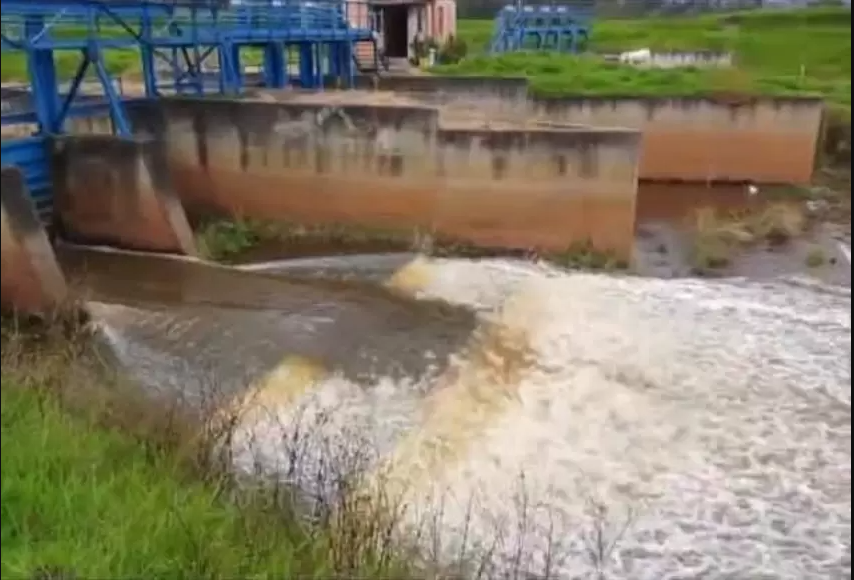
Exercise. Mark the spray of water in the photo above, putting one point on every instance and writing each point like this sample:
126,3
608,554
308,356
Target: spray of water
598,427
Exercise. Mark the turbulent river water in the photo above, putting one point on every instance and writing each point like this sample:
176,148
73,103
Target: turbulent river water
563,424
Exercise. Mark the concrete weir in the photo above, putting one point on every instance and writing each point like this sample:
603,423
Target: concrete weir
107,190
348,159
117,192
726,137
473,160
32,281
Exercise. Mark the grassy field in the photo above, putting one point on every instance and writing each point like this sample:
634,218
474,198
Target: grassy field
97,485
90,501
779,52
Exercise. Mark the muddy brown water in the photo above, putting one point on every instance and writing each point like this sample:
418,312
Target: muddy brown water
236,326
726,431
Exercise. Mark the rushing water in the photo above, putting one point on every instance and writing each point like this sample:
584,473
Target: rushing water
588,425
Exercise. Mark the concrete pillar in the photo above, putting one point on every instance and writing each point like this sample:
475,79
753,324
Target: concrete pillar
118,192
32,282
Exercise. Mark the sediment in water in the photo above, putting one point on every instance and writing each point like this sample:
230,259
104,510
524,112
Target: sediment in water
714,413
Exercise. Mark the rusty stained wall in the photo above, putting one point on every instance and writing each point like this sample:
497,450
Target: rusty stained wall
766,140
551,188
94,125
114,191
696,139
32,281
392,167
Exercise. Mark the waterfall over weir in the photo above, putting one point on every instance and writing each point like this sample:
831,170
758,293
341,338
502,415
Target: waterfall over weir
591,425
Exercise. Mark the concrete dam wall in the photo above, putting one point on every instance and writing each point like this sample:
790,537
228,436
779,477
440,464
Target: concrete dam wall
704,138
107,191
32,281
398,165
476,161
117,192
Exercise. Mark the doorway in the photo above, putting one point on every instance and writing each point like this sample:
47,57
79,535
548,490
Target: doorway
395,22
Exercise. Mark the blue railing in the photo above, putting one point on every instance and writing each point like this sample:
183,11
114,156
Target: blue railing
30,155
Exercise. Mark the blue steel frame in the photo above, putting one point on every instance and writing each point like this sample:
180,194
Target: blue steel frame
182,33
558,27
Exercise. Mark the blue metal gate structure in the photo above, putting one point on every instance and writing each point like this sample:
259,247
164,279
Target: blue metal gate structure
317,36
563,27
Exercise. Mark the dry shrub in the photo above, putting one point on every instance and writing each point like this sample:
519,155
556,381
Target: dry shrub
718,237
778,223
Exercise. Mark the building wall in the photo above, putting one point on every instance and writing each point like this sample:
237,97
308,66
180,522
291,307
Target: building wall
445,19
358,13
439,19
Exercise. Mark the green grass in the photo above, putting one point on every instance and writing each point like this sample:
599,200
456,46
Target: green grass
793,52
777,52
87,500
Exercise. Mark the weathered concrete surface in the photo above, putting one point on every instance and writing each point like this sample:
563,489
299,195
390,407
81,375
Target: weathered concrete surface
114,191
94,125
551,188
696,139
317,159
32,282
770,140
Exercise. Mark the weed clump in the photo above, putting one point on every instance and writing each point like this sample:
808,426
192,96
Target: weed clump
717,238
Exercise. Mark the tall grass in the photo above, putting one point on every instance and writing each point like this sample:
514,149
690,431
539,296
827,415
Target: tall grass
81,499
101,482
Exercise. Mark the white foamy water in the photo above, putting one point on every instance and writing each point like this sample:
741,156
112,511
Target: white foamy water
667,429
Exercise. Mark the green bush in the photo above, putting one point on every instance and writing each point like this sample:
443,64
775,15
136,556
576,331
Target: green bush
453,51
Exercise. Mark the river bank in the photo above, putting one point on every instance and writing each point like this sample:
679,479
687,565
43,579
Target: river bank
100,482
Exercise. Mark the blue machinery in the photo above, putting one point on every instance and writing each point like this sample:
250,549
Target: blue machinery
296,42
564,28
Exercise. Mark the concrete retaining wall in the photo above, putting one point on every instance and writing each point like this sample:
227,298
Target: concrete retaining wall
697,139
771,140
396,167
32,282
114,191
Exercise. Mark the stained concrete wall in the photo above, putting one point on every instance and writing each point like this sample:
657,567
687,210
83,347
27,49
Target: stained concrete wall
95,125
698,139
109,190
396,167
32,282
770,140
